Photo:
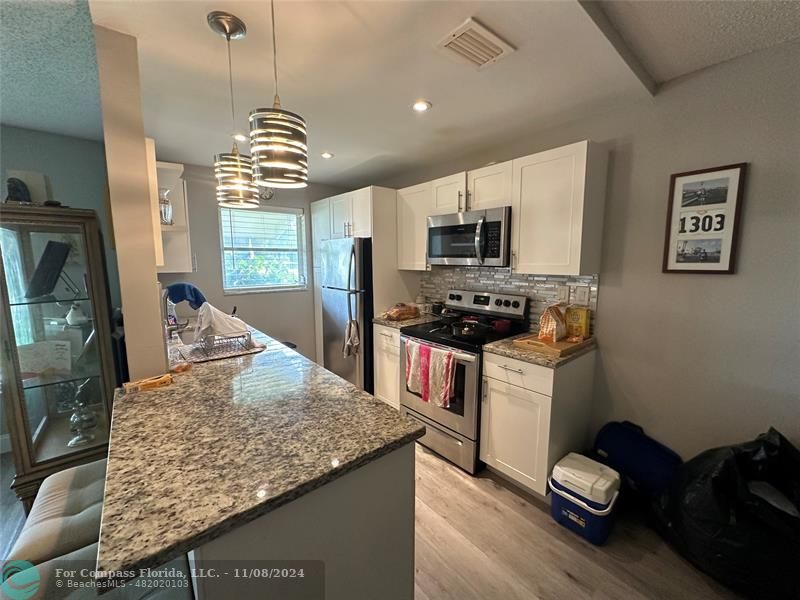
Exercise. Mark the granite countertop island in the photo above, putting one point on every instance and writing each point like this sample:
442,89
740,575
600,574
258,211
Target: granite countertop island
506,348
228,442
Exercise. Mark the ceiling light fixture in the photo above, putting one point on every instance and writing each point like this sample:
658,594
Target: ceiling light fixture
327,155
422,106
278,138
234,171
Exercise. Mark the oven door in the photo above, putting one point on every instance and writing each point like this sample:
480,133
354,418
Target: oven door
475,238
462,414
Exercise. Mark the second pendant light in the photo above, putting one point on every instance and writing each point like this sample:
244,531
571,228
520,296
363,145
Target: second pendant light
233,170
278,138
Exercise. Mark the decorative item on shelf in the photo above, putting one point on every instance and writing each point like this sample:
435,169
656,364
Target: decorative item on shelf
233,170
278,138
17,191
76,316
83,419
165,206
703,220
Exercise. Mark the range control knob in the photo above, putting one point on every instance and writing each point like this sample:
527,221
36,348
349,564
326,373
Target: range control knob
451,297
515,304
506,303
458,297
498,302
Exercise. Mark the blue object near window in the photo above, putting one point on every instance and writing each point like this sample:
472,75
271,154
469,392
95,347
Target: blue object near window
262,249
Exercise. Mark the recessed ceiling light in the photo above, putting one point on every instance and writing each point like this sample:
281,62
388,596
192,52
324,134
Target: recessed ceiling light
240,137
421,106
327,155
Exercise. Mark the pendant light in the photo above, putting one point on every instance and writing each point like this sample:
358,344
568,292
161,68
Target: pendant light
278,139
233,170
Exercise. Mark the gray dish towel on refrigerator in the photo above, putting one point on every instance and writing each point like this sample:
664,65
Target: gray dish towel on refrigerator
352,339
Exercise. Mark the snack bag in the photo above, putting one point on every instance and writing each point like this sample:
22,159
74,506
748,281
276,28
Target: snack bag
551,324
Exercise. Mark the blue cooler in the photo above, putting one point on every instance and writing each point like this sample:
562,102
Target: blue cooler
584,495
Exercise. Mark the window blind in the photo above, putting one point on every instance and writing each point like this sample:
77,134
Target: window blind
262,249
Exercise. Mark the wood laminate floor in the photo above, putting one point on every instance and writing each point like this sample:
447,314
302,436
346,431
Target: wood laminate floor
478,538
12,516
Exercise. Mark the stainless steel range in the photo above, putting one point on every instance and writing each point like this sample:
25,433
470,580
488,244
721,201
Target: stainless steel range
470,320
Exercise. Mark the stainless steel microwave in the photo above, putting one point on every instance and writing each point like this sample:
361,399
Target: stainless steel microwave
475,238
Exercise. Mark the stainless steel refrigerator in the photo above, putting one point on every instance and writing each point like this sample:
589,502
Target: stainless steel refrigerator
347,309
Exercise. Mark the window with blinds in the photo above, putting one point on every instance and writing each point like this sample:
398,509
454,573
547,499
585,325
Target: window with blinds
262,249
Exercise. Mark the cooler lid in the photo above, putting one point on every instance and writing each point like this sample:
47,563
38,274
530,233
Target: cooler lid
587,478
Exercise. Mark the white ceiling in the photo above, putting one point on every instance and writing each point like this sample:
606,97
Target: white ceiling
352,69
673,38
48,67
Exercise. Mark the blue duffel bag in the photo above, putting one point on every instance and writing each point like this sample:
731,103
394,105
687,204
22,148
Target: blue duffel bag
646,466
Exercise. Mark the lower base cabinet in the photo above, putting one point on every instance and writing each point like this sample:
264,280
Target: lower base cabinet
514,426
387,365
524,432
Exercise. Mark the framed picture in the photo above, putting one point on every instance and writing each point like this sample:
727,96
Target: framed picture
703,220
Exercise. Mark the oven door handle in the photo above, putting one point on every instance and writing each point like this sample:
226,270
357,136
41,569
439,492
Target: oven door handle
460,356
463,357
479,239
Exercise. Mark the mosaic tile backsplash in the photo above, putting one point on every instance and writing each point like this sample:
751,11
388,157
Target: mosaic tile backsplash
541,289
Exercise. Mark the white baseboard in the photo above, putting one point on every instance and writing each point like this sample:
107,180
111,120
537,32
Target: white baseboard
5,443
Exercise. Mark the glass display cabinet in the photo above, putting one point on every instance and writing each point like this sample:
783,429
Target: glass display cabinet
57,367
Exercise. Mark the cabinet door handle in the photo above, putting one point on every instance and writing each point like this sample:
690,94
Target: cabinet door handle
460,194
386,335
512,369
466,201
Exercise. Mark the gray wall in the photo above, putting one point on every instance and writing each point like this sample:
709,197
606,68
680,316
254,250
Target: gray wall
282,315
698,360
75,172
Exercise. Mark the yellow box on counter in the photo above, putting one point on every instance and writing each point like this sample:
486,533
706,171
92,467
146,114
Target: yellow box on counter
577,320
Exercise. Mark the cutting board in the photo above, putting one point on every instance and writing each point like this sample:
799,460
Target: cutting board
558,349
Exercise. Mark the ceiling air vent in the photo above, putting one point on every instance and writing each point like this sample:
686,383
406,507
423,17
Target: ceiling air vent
475,44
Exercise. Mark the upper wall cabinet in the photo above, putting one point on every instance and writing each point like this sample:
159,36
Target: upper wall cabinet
414,204
489,187
320,227
351,214
177,244
557,210
448,194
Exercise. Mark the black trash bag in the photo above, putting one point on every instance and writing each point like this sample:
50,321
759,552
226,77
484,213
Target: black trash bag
734,512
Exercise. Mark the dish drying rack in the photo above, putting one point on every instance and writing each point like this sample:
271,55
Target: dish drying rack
214,347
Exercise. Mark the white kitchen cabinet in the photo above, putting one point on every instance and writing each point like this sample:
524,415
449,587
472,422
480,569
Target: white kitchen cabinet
557,210
320,228
532,416
413,207
489,187
448,194
387,364
514,429
351,214
155,209
176,238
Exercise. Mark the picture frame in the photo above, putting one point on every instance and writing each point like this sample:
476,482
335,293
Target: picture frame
703,218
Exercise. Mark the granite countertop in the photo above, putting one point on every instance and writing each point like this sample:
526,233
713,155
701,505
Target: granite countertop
398,324
229,441
504,347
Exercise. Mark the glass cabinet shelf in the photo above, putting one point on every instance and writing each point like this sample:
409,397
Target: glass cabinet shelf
38,381
34,301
